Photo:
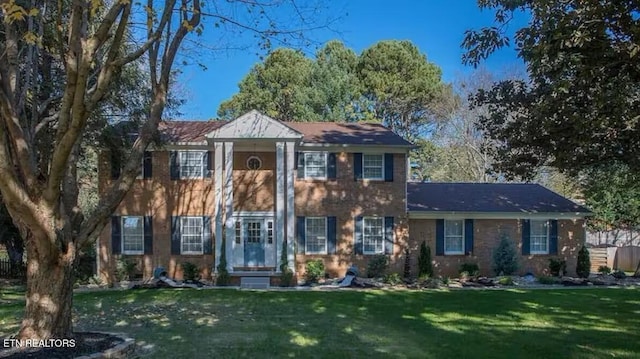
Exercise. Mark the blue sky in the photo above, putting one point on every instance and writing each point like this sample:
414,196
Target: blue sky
436,27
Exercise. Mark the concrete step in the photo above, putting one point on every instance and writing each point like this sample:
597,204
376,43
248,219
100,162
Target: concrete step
255,282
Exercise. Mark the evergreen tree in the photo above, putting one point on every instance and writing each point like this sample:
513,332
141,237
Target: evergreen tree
425,268
505,257
583,267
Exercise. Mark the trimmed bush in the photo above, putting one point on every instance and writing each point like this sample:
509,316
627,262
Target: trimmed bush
190,272
315,270
505,257
506,281
125,269
557,267
471,269
377,266
583,267
604,270
392,279
619,274
548,280
425,267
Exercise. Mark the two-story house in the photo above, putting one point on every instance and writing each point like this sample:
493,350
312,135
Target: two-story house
333,191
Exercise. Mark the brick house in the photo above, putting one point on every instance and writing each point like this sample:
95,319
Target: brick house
333,191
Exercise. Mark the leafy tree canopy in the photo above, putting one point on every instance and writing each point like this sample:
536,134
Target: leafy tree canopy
580,106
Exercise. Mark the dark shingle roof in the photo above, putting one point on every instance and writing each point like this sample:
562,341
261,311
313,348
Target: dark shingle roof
487,197
347,133
313,132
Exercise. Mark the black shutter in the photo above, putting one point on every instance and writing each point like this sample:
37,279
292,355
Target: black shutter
174,165
208,159
553,237
300,227
331,235
439,237
175,235
147,166
357,235
116,235
332,171
526,239
207,248
148,235
388,167
115,161
468,236
388,235
357,166
300,164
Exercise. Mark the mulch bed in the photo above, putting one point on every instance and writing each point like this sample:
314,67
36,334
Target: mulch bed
85,344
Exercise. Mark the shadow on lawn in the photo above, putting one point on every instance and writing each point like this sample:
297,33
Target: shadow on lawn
229,323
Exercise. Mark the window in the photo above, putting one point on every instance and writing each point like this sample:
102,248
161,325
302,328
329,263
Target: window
238,231
132,235
453,237
373,167
254,163
315,164
254,231
539,237
270,232
316,235
192,164
373,235
191,235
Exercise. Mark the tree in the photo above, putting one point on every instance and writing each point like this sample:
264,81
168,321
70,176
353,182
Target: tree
84,47
505,257
279,88
581,104
425,267
402,86
583,266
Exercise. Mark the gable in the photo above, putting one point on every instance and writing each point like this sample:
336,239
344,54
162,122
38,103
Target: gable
254,125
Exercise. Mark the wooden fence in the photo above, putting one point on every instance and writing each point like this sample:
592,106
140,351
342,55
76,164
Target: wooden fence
622,258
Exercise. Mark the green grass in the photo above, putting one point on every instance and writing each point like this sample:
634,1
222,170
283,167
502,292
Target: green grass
559,323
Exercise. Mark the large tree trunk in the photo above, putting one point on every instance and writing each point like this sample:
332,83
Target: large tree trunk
49,294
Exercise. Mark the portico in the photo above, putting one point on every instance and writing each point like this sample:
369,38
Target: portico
254,236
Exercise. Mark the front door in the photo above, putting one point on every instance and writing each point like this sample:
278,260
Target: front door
253,243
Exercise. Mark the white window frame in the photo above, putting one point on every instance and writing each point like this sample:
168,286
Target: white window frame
364,176
203,165
326,164
546,237
382,236
123,236
452,252
182,234
307,236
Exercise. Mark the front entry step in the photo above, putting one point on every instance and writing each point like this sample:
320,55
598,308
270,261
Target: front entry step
255,282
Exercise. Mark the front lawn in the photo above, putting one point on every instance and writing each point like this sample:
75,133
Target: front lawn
187,323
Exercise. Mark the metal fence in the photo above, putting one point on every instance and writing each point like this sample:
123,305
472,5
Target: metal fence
7,272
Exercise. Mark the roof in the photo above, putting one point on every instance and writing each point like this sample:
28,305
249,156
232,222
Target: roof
487,197
313,132
187,131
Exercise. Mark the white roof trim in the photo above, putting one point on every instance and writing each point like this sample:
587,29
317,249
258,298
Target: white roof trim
253,125
497,215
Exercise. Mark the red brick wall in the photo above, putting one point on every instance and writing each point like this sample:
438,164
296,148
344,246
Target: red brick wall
571,236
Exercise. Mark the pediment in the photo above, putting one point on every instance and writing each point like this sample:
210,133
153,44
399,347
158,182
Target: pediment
254,125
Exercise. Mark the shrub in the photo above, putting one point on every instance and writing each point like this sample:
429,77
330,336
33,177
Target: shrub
392,279
604,270
583,267
407,263
315,270
619,274
425,267
548,280
125,269
223,278
471,269
190,272
508,281
377,266
557,267
505,257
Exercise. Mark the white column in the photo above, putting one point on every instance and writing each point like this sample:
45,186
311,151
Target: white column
228,195
291,256
280,202
217,201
